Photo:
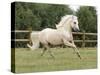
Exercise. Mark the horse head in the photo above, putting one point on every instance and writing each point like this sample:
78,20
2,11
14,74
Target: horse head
74,23
68,22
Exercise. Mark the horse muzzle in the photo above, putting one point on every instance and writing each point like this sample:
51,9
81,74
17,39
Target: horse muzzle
77,30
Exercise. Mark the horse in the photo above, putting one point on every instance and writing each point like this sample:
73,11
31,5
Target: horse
61,35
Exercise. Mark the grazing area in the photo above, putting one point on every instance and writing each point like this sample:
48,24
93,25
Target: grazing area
65,59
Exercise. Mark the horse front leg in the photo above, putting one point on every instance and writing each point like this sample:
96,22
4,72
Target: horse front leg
76,50
73,46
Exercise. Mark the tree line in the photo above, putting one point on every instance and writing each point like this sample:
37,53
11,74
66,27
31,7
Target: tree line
39,16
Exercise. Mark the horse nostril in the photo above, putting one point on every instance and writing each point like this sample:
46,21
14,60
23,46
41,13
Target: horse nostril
78,30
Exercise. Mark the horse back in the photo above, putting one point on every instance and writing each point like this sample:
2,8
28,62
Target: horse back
50,36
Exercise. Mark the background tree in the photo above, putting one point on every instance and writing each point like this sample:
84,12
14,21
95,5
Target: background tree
39,16
87,18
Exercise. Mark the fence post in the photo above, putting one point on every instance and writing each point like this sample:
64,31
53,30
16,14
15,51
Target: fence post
83,38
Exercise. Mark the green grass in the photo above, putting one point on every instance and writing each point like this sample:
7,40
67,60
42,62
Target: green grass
65,59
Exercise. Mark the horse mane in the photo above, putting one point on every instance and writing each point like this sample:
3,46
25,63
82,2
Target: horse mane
63,20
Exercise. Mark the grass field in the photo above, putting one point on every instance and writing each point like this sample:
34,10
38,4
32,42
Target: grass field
65,59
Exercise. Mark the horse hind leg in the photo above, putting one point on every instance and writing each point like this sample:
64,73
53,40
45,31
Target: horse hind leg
46,47
51,53
44,50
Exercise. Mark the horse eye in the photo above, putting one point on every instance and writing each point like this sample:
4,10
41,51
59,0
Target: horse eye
74,22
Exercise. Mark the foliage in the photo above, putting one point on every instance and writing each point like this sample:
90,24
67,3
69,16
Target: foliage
39,16
87,18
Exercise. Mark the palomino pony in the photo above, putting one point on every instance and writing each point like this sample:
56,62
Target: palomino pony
61,35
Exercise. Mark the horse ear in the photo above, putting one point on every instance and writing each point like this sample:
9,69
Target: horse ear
56,25
72,16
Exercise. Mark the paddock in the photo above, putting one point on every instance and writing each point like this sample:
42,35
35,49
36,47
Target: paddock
65,59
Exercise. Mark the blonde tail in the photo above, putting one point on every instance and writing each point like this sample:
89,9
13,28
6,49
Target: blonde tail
33,41
34,46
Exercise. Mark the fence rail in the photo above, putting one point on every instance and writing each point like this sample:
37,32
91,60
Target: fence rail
23,40
83,34
77,33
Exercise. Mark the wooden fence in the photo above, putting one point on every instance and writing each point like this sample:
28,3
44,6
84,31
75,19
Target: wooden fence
83,34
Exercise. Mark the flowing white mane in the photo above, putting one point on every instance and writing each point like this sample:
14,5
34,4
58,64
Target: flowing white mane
64,19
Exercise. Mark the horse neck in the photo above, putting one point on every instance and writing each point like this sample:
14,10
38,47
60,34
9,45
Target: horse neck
66,27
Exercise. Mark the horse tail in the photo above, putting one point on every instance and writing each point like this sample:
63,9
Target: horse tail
33,41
